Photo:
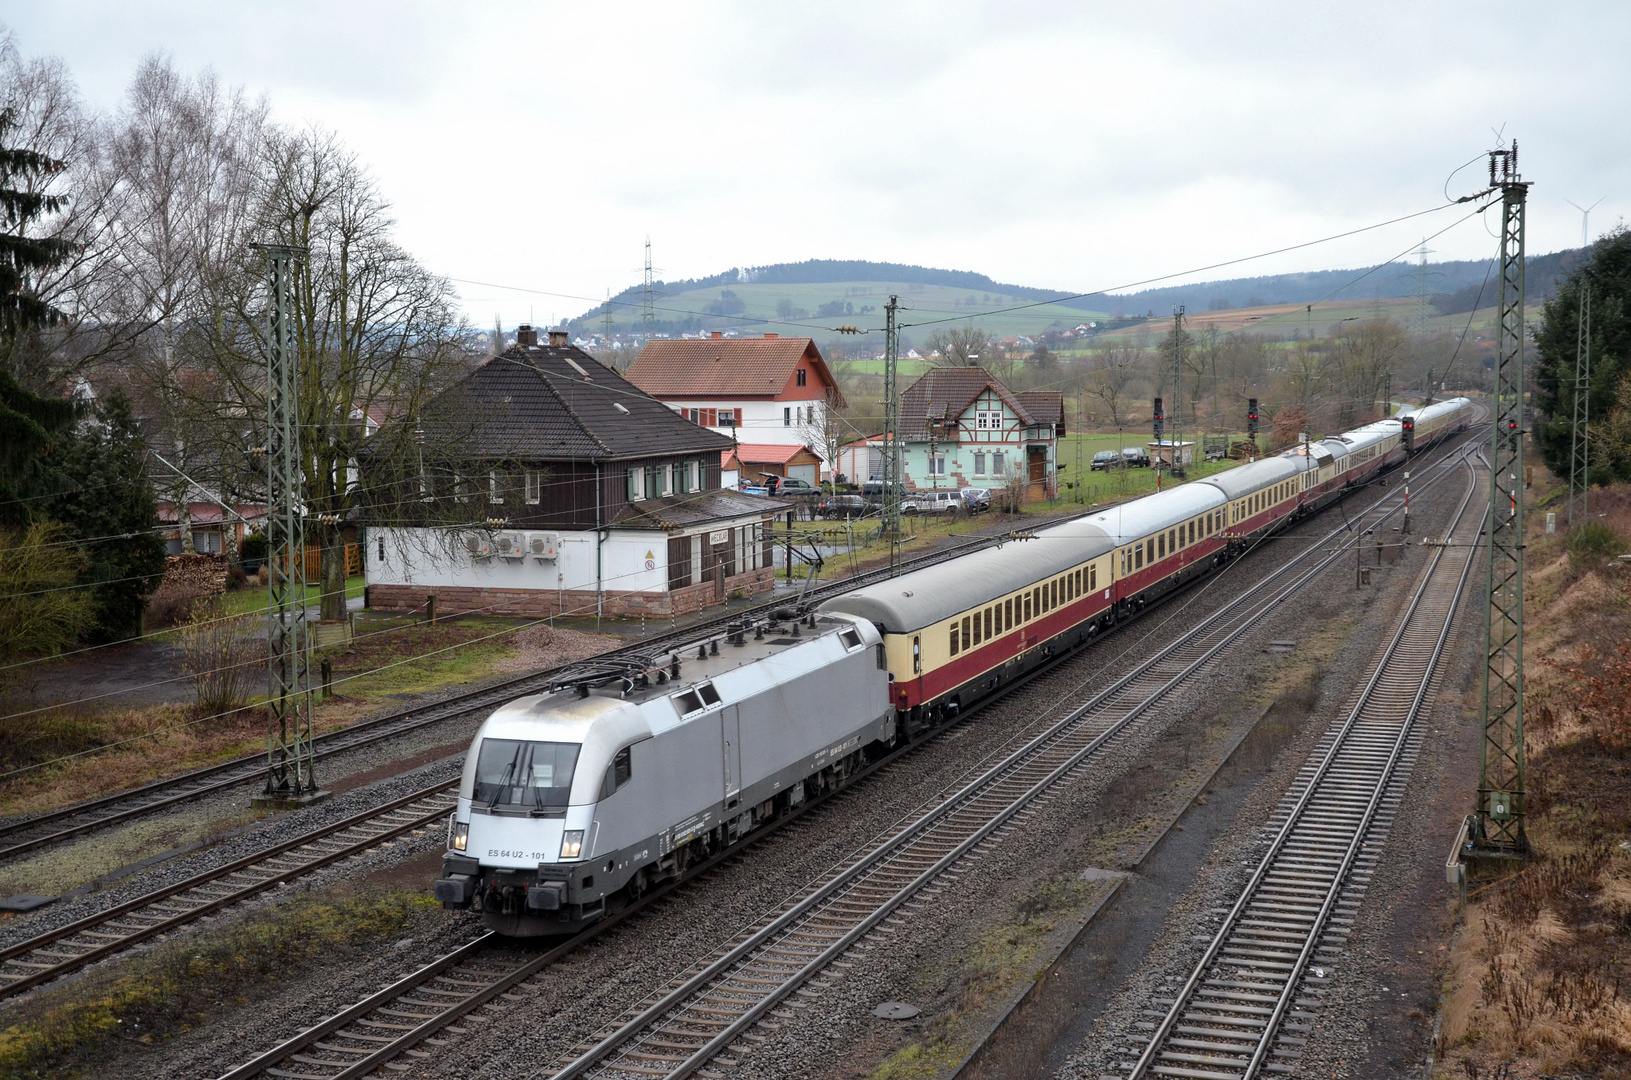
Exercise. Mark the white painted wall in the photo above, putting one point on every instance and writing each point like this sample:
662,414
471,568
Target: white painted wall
762,421
623,563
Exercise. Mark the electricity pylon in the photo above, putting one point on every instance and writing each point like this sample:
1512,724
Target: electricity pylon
290,775
1500,809
890,513
648,309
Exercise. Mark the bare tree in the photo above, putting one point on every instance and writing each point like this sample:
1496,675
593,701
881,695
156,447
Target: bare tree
376,335
1111,374
959,346
1367,353
825,431
1306,365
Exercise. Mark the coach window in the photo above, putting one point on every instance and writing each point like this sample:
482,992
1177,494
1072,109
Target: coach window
954,641
988,623
967,640
1138,557
1161,545
978,637
917,655
1030,598
1092,577
1008,614
1172,541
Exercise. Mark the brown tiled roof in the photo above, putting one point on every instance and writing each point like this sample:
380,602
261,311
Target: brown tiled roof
1045,406
549,402
944,393
779,453
725,367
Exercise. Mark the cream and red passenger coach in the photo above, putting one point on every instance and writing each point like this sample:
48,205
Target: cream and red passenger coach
956,632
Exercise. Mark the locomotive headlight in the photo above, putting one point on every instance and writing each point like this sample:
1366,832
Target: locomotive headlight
461,835
571,843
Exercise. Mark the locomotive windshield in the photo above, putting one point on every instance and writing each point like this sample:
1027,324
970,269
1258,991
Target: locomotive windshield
520,775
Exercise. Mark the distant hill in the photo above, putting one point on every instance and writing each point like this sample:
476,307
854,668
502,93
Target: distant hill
1452,285
813,296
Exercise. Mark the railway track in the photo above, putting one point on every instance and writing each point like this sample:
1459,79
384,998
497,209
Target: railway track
49,956
23,835
1247,1005
677,1032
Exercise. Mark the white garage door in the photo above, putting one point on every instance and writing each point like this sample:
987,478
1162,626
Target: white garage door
807,473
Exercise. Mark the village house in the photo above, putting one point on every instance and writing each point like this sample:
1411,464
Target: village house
764,390
579,494
962,427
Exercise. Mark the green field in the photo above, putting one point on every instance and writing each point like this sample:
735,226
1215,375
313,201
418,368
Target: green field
792,309
1117,483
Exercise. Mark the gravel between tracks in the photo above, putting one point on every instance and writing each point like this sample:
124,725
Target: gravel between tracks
1341,1035
922,961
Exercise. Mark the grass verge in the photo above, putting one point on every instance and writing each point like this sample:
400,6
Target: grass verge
181,985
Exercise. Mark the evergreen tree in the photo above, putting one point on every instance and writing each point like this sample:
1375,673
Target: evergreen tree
27,421
1608,272
107,501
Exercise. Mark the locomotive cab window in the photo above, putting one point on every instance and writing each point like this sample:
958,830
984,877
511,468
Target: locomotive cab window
618,773
851,638
520,775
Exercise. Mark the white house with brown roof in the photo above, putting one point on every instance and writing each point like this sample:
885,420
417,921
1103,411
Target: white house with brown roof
759,390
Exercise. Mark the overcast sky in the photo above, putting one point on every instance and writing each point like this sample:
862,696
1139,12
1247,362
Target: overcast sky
1077,146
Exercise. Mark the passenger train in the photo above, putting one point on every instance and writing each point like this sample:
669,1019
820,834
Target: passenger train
624,774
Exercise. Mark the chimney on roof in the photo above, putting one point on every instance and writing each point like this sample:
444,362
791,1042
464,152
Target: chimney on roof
526,335
772,335
718,334
557,338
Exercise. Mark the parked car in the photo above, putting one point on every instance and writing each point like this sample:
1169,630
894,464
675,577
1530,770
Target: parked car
787,486
945,501
1104,459
874,488
845,506
976,500
1135,457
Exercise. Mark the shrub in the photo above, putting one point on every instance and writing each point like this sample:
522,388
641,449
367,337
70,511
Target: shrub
1593,543
222,656
253,547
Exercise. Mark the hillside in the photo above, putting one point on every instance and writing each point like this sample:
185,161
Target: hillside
817,295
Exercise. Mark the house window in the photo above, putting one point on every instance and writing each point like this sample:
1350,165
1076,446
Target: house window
979,464
654,481
800,376
999,466
495,489
937,465
727,417
787,417
708,417
988,420
534,489
637,486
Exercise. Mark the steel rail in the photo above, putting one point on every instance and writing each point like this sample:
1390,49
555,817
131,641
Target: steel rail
428,1017
197,783
1248,1005
45,957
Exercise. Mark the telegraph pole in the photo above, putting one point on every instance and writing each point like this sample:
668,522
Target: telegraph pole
1579,441
1500,810
891,435
648,310
1177,388
290,777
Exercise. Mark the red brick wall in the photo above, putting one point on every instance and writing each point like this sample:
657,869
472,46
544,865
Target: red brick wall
540,603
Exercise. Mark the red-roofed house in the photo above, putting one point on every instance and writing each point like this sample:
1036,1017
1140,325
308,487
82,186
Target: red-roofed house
769,390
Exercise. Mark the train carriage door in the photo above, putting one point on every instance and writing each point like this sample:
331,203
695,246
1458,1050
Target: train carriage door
730,735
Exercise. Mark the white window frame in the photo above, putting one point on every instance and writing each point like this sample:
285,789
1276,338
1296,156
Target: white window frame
533,489
636,483
937,464
495,493
988,420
